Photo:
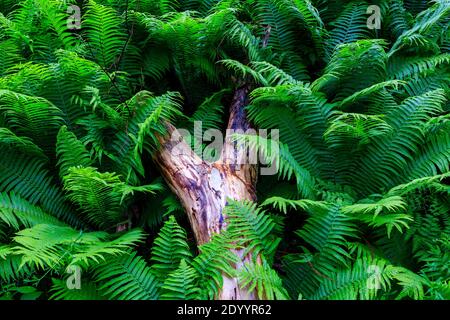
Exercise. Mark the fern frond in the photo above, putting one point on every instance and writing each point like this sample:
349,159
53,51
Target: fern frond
215,259
393,203
70,151
169,248
51,246
283,204
250,228
264,281
11,268
181,284
106,37
97,194
327,232
278,155
362,281
127,277
30,116
26,176
350,26
17,212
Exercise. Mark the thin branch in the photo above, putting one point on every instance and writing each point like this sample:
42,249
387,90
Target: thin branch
121,97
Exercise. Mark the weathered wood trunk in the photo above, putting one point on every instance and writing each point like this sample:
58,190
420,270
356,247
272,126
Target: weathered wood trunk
204,187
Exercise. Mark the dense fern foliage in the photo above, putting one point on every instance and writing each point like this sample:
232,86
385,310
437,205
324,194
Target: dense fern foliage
359,208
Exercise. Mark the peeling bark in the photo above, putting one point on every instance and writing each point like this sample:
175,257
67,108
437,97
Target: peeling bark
204,187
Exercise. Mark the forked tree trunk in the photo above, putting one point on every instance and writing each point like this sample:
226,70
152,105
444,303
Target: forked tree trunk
204,187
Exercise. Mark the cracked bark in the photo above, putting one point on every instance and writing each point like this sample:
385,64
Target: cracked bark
204,187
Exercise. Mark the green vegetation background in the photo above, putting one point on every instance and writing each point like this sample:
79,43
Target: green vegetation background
359,210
